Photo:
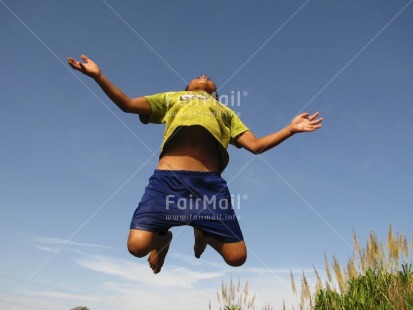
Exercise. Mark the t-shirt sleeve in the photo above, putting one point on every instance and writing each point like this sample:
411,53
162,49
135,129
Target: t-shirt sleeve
158,104
237,128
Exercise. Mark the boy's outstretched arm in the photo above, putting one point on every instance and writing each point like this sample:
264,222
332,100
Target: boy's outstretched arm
301,123
130,105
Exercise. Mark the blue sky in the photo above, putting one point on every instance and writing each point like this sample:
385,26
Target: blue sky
73,167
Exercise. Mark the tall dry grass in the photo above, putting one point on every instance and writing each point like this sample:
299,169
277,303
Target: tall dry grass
236,296
375,276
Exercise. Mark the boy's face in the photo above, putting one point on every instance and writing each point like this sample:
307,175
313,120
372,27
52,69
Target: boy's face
202,83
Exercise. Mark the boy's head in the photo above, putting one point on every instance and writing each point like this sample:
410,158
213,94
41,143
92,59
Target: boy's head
203,83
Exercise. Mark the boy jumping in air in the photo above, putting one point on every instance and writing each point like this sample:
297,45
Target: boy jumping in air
186,187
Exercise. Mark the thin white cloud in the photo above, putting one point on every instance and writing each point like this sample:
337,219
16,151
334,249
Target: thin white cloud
50,244
71,296
137,271
46,248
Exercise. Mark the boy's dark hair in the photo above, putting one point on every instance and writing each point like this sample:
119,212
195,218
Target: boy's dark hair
214,94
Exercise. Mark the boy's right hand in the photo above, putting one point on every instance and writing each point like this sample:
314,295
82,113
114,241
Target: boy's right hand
87,67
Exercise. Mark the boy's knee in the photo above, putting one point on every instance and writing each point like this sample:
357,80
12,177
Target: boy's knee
234,254
236,257
137,251
236,261
137,245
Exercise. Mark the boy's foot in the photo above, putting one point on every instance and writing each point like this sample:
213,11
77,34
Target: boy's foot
157,256
200,243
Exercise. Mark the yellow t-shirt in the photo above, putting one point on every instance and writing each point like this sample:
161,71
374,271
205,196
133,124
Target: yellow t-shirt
187,108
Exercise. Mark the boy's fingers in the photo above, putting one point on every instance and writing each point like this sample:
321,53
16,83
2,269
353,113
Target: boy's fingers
82,66
314,116
73,63
317,120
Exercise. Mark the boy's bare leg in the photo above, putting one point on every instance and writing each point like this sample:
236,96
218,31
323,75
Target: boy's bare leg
142,243
200,243
234,253
157,256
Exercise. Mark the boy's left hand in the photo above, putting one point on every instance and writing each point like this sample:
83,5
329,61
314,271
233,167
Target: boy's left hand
306,123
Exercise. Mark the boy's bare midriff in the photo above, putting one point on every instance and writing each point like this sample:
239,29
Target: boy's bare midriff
191,148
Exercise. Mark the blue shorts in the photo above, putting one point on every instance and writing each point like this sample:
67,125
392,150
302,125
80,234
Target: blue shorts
195,198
